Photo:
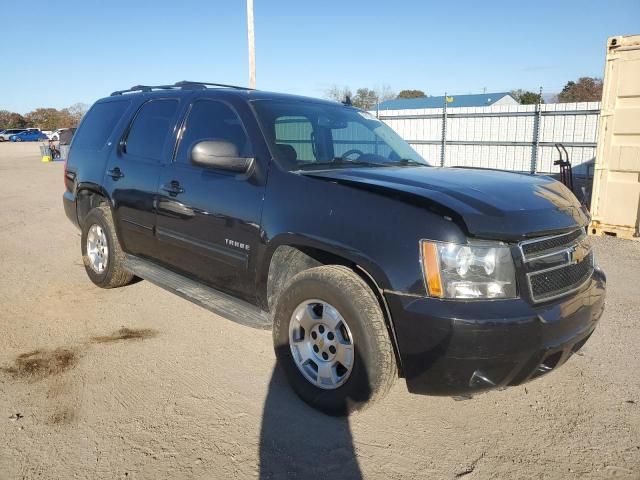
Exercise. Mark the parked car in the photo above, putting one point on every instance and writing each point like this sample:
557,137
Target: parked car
5,134
48,133
316,220
30,135
57,134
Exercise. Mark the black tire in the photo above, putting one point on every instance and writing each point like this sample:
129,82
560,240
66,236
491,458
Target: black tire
374,366
114,274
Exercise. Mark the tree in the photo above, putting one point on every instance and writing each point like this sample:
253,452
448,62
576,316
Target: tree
385,93
12,120
365,99
411,94
44,118
77,111
526,97
586,89
337,93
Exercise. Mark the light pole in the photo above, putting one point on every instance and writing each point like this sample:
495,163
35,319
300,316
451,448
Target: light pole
252,45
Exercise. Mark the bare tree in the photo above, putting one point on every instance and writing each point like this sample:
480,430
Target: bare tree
384,93
77,111
337,93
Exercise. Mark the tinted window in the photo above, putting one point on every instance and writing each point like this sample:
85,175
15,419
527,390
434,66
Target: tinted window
209,119
294,135
150,129
355,136
323,135
98,125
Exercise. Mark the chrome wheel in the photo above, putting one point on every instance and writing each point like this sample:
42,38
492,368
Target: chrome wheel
321,344
97,248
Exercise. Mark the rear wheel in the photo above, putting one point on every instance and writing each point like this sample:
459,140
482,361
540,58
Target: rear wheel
102,255
331,340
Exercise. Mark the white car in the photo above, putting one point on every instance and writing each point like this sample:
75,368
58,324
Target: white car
5,134
55,135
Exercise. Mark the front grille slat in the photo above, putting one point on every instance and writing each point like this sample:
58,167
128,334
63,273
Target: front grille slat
546,284
556,282
551,244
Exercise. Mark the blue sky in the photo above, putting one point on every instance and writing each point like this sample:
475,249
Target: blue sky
72,51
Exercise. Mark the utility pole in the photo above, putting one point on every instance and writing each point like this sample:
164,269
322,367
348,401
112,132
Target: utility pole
252,45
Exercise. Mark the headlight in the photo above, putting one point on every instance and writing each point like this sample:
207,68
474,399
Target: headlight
482,270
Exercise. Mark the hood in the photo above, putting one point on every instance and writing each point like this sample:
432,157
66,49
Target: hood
490,204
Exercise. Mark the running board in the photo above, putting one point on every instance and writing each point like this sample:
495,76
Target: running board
217,302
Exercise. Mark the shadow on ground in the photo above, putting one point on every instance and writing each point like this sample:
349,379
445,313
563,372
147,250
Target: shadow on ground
297,441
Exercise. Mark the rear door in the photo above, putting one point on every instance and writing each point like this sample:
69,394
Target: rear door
132,172
208,220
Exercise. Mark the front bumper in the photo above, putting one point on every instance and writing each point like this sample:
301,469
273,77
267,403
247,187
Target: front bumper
459,348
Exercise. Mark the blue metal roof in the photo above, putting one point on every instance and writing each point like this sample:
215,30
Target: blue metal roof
477,100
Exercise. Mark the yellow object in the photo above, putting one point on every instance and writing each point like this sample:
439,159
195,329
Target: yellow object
46,158
432,268
616,184
449,99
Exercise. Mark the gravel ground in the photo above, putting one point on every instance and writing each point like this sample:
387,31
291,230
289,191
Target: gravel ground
138,383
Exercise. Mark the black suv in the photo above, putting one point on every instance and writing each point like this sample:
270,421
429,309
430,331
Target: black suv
317,220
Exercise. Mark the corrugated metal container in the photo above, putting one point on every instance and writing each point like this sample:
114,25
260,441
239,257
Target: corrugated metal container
615,205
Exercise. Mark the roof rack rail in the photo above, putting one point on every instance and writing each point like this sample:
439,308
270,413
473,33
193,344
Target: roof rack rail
143,88
190,84
183,85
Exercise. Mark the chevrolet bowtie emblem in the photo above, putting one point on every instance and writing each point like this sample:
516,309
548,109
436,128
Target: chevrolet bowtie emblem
578,253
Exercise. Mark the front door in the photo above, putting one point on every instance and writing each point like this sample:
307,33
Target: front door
208,220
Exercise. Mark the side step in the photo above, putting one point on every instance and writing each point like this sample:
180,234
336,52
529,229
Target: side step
217,302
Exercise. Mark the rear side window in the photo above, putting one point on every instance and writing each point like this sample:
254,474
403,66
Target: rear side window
210,119
150,128
98,125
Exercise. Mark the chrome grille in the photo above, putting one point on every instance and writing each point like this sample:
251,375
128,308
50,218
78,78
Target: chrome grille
550,243
557,265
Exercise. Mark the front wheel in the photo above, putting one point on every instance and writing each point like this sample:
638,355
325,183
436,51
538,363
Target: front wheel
18,139
331,340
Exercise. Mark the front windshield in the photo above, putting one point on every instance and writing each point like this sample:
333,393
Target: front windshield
311,136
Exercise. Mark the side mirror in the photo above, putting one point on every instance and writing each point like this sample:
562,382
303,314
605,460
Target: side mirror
219,154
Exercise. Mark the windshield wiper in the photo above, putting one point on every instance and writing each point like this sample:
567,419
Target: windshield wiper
343,163
409,162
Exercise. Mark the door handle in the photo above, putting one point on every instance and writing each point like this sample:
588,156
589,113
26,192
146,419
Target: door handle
115,173
173,188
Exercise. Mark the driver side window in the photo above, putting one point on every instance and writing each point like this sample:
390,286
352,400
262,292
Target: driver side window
212,120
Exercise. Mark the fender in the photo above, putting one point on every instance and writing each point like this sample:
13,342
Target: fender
349,254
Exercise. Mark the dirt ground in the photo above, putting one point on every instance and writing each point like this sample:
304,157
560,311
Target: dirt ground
138,383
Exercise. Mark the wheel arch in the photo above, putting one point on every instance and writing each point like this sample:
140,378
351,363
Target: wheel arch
287,258
89,196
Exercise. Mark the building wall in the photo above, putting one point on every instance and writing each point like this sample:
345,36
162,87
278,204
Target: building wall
506,100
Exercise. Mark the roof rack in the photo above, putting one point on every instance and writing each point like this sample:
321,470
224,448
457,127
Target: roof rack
183,85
